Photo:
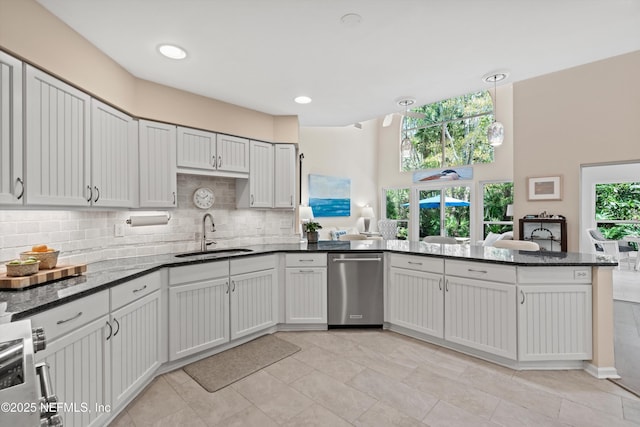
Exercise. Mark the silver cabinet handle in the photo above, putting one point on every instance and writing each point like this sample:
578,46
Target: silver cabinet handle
213,161
440,283
522,293
291,200
471,270
174,197
60,322
414,263
305,271
118,324
21,182
90,194
219,161
305,260
233,284
446,285
110,331
140,289
227,291
356,259
97,194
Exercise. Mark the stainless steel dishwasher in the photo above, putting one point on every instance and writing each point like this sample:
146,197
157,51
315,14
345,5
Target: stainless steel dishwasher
355,289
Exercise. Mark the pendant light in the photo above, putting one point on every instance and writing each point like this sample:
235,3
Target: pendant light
405,146
495,132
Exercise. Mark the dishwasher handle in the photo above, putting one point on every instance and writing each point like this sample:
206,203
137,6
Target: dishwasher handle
356,259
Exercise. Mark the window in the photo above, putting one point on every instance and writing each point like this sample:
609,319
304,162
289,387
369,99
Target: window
618,209
452,132
397,207
496,196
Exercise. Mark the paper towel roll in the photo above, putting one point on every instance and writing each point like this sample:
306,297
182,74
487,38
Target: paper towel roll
140,220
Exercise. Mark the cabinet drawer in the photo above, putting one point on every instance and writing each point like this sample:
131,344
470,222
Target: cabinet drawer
419,263
306,260
60,320
251,264
198,272
483,271
564,275
130,291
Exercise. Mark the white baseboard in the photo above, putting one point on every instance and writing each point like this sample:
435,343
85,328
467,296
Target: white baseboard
601,372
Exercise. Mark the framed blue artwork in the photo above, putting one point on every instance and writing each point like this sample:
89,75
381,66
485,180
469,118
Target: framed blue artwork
329,196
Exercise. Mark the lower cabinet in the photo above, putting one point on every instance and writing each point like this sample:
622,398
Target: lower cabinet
199,314
481,314
416,301
254,302
306,295
554,314
135,345
80,368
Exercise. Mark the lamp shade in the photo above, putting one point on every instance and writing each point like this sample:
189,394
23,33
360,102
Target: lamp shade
367,212
509,210
305,213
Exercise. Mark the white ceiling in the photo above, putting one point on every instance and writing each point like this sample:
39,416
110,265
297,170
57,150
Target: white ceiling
260,54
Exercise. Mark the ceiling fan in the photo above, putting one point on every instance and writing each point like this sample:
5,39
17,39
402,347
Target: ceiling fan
403,102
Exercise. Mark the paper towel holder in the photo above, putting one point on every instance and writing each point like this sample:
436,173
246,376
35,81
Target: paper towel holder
149,219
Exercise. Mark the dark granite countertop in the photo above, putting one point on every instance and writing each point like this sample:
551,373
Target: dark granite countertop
105,274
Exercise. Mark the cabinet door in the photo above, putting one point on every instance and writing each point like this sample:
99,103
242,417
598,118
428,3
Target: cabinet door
114,157
79,364
254,303
416,301
232,153
261,175
306,295
198,317
285,176
57,142
554,322
135,345
158,175
11,178
481,315
196,149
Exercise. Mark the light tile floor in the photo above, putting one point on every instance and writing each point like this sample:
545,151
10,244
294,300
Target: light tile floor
626,313
380,378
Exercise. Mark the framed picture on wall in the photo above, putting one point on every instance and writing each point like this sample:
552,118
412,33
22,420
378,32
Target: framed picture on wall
545,188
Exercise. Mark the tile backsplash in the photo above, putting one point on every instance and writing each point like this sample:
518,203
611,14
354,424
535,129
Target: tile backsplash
85,236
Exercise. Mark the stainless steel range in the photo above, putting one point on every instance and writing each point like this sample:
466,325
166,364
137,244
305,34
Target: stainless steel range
26,396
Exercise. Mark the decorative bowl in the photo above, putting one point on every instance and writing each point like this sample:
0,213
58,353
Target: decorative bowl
47,259
16,270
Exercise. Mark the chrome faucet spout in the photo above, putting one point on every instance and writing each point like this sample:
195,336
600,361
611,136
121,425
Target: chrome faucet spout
206,242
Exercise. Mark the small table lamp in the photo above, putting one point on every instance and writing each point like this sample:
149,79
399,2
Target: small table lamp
367,214
305,214
509,210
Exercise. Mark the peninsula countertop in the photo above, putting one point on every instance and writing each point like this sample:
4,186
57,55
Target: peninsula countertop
105,274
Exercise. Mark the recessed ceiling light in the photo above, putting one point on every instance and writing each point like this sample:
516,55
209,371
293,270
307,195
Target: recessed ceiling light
302,99
351,20
405,102
172,51
495,76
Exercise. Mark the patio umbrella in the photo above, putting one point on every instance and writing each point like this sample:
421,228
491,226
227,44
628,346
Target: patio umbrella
434,202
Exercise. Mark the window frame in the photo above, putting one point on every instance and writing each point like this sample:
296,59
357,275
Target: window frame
480,219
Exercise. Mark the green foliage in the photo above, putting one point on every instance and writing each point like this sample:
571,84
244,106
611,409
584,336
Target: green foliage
459,124
311,226
394,202
621,202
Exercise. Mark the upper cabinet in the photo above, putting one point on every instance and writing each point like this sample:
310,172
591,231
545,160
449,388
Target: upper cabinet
158,175
11,174
285,176
257,191
208,153
57,142
114,157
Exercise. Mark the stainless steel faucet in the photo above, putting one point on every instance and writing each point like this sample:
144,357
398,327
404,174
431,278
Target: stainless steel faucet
206,242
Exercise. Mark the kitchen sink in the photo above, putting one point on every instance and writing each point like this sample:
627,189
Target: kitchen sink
214,252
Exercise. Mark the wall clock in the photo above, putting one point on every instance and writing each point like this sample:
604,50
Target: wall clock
203,198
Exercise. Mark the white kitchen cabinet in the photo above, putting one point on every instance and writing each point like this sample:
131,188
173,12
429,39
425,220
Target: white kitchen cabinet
554,314
196,150
416,300
254,295
481,314
11,174
57,142
232,153
135,343
114,157
199,316
285,176
306,288
158,175
80,370
257,191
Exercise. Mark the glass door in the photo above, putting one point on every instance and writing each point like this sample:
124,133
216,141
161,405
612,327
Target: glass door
443,211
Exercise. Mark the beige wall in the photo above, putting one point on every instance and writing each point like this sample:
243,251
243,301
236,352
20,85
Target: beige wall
345,152
588,114
30,32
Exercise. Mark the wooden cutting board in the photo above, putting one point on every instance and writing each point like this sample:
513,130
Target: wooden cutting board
42,276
